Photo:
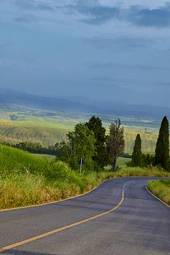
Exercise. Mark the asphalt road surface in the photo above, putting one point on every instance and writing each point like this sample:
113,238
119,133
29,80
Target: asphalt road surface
137,224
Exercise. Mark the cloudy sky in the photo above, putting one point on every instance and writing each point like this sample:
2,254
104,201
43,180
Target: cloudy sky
100,50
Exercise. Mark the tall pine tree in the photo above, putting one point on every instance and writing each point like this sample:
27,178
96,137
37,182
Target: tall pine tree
162,145
115,142
137,152
95,125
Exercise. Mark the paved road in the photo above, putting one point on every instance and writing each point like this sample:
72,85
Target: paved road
140,226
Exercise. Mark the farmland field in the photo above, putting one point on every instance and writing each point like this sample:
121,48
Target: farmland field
14,132
148,137
49,128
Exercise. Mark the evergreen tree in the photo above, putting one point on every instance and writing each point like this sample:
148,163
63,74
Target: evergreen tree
137,152
162,145
115,143
95,125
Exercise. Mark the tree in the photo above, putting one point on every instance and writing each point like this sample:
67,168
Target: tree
162,145
95,125
148,160
79,149
137,152
63,151
115,142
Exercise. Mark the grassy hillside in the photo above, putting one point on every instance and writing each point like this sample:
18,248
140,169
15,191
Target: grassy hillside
45,136
161,189
148,136
26,179
32,131
48,131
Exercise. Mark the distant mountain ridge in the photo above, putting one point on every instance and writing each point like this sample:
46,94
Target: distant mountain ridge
11,98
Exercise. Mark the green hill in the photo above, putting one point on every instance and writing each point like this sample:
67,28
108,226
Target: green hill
48,132
26,179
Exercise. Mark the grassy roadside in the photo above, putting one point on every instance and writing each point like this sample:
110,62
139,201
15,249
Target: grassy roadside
27,180
161,189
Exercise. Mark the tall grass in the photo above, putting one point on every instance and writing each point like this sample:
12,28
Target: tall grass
161,189
26,189
26,179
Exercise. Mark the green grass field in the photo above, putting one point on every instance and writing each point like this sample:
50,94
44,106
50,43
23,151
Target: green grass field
149,138
37,132
26,179
122,162
48,131
161,189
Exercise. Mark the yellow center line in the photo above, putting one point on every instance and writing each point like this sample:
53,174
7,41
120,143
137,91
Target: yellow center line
57,230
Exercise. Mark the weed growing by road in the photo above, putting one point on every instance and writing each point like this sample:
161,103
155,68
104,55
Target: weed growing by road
161,189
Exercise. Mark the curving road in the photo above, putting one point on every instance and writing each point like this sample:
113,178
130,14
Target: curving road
118,218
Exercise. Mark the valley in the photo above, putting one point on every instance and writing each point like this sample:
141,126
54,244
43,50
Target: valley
49,127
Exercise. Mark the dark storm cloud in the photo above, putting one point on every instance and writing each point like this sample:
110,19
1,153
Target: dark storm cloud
30,8
74,48
33,5
95,14
150,18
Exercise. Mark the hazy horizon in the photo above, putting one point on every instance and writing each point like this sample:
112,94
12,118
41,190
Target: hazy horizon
103,50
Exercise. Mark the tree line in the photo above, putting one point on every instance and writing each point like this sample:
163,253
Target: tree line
161,157
35,148
89,147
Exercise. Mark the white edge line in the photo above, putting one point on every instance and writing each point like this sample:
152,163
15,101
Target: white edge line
72,197
153,195
61,229
48,203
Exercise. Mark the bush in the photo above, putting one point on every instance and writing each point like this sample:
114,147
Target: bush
147,160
